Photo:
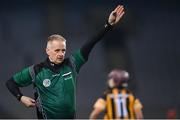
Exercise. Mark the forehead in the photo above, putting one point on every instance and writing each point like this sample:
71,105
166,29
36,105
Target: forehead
57,44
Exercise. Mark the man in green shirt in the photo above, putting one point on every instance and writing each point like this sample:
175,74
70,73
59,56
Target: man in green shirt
54,79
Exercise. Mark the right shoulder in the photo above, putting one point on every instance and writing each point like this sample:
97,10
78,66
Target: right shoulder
26,76
37,67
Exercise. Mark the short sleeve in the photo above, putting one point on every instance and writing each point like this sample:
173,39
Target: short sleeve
23,77
77,60
100,104
137,105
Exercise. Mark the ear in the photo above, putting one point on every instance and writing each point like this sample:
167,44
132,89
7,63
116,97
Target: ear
111,83
47,51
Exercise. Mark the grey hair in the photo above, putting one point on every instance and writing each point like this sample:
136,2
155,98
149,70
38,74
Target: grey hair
55,37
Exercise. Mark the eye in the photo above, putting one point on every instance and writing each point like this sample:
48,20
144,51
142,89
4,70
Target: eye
63,50
57,50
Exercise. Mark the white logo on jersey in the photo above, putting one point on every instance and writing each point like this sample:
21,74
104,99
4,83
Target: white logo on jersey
46,82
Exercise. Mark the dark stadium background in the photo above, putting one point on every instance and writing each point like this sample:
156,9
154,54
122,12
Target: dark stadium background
146,43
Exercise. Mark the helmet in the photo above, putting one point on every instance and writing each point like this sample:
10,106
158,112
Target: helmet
117,77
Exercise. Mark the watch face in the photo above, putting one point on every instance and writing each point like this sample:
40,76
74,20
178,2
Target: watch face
46,82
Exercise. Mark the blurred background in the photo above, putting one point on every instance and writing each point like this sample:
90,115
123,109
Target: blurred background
145,43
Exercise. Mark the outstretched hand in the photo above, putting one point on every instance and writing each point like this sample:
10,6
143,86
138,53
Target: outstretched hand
116,15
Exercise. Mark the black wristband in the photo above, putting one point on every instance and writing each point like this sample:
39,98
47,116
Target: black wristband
107,25
18,96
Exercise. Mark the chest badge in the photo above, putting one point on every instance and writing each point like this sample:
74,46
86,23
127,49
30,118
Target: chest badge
46,82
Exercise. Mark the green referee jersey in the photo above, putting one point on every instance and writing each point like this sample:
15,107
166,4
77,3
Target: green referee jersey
56,90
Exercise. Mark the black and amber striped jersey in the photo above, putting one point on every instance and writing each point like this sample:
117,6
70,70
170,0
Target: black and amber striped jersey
118,104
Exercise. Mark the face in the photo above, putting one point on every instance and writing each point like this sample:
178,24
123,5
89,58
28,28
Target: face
56,51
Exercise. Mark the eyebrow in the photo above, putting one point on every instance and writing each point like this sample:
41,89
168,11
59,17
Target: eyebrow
60,49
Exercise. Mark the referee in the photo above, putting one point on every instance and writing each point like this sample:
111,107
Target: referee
54,79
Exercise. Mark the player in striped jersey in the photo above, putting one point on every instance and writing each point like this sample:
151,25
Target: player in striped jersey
118,101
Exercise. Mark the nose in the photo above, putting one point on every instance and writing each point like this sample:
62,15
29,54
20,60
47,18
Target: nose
61,53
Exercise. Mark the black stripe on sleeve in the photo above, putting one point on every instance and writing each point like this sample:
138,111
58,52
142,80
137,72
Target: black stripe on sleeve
13,87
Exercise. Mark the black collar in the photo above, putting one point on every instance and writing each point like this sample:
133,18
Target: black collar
54,67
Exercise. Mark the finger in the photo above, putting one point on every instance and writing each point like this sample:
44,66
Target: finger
120,10
121,13
117,7
120,16
32,105
32,100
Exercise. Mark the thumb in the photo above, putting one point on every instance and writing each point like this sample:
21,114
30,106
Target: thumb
114,13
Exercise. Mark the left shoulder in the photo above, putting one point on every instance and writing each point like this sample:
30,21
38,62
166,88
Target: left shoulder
67,61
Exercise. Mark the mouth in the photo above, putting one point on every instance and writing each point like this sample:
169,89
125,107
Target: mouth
60,59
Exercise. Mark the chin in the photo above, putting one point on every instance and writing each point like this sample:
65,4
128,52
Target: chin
58,62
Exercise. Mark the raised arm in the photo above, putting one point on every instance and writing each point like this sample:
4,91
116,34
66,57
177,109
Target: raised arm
113,19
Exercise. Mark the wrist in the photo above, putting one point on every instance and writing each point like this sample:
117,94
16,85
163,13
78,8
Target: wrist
108,25
19,96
